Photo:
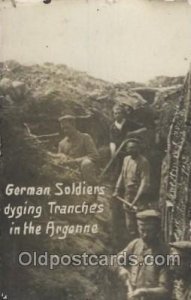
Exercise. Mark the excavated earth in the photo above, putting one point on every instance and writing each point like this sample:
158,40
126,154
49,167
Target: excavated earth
32,98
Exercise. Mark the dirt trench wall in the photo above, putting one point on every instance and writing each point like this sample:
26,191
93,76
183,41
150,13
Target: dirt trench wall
176,171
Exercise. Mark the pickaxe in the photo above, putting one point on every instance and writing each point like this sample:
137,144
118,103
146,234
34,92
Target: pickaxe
133,208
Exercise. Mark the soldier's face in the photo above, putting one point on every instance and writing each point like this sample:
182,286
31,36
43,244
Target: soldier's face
148,231
132,149
118,114
181,266
68,128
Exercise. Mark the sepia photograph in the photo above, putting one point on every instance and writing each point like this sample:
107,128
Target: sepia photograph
95,139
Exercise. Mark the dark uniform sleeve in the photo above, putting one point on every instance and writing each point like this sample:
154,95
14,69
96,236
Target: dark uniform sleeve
165,278
165,274
118,136
134,125
165,281
112,134
120,181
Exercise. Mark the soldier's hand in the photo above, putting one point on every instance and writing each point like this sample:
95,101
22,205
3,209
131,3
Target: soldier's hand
60,156
53,154
115,194
124,279
63,158
134,201
137,293
68,162
123,275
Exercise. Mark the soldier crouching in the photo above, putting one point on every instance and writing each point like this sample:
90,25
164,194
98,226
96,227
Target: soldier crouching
77,149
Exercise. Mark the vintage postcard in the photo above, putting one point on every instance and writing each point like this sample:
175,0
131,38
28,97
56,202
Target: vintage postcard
95,142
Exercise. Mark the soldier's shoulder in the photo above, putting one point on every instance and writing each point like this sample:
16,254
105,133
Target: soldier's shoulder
63,141
127,158
85,136
144,159
131,246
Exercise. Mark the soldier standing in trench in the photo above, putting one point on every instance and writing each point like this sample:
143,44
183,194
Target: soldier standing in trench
121,129
146,281
182,271
133,183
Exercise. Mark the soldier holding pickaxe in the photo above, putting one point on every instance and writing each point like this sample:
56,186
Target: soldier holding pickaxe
133,183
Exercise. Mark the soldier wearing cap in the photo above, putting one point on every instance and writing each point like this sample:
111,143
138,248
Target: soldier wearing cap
79,149
182,271
133,182
146,279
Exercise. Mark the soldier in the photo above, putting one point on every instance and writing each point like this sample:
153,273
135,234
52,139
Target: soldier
146,280
133,182
121,129
135,174
182,284
78,148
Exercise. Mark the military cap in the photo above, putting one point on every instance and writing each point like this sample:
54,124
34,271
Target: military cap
133,140
149,214
123,106
67,118
183,246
